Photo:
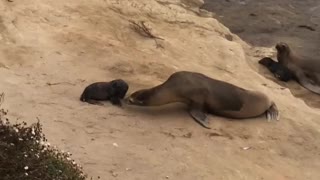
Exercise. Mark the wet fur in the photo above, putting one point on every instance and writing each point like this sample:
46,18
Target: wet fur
103,91
279,71
305,70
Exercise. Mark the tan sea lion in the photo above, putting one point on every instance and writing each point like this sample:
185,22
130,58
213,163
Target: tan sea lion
305,70
204,95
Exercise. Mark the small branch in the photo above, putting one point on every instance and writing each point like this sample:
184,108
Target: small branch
143,30
52,84
307,27
222,69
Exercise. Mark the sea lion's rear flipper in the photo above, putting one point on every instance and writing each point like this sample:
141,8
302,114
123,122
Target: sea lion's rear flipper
94,102
311,87
200,117
309,82
273,113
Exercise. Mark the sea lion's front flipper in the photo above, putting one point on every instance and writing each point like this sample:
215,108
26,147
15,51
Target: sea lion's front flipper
94,102
116,101
200,117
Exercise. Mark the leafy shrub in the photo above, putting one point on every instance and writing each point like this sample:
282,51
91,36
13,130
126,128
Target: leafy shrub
25,154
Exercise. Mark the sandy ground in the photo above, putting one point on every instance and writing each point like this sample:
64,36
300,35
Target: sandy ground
50,50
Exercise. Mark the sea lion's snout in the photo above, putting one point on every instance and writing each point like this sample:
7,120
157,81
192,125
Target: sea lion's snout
128,100
132,101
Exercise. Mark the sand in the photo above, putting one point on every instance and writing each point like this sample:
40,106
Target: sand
50,50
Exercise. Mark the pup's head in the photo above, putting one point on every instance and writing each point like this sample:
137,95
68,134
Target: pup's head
119,88
266,61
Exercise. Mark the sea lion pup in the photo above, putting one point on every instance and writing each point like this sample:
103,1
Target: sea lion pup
204,95
279,71
305,70
114,91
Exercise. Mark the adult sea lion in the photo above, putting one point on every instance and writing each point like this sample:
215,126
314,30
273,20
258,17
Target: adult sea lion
279,71
114,91
204,95
305,70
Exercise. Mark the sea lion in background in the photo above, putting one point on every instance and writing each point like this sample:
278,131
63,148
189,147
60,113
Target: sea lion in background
204,95
102,91
279,71
305,70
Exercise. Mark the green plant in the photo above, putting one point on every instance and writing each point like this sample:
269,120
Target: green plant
25,154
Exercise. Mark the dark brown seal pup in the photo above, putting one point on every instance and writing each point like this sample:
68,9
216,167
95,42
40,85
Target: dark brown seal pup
305,70
279,71
204,95
102,91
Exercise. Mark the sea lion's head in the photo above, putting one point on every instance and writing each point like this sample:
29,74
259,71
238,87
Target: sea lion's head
266,61
282,47
283,52
139,98
119,88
